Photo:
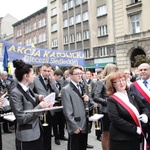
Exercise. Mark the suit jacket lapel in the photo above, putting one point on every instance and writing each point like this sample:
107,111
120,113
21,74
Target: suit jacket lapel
42,81
75,89
29,98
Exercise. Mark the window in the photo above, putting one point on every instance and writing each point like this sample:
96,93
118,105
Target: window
65,23
40,23
71,21
28,42
43,22
102,51
71,38
85,16
101,10
85,34
78,36
19,33
40,38
54,43
34,26
28,29
135,22
71,4
111,51
65,6
134,1
54,11
95,52
84,1
102,30
54,27
44,37
77,2
78,18
35,40
65,39
86,53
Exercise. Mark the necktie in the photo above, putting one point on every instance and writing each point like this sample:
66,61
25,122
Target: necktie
58,86
79,88
29,93
145,83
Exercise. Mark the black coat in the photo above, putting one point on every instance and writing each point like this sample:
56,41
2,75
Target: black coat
123,126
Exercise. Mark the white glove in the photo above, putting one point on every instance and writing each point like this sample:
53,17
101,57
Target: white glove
143,118
139,131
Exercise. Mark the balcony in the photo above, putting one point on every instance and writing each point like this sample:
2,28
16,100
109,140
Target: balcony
136,36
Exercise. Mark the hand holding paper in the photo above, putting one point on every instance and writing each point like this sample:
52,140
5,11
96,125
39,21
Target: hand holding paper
50,98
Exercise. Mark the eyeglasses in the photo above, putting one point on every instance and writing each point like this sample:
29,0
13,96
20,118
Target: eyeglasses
143,69
78,74
119,81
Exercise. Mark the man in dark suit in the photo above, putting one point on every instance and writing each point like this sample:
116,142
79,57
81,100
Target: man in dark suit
75,108
143,84
43,84
58,118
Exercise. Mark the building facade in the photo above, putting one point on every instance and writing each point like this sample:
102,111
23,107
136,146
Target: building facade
6,29
109,31
132,31
32,30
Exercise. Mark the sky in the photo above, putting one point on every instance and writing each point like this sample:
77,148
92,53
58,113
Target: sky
20,8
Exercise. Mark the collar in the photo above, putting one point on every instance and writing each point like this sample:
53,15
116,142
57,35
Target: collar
25,88
43,77
75,83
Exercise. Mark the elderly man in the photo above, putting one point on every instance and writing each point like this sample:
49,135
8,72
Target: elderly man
141,88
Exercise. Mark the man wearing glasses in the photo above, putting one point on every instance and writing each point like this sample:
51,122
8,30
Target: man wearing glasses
75,102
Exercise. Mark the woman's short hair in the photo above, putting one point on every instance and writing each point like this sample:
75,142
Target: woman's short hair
109,81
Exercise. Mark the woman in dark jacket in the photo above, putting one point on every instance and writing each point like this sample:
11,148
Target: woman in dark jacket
126,113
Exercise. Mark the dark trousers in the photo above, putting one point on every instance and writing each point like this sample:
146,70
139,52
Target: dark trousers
31,145
77,141
58,125
47,132
0,137
5,125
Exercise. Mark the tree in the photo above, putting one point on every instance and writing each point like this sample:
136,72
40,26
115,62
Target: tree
141,59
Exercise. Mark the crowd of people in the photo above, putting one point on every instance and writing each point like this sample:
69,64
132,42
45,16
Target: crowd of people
121,96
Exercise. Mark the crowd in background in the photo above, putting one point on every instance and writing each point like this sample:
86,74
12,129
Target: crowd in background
121,96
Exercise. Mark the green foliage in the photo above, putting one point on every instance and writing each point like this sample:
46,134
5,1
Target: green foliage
141,59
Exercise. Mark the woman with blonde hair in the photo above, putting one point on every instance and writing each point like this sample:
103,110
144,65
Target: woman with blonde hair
100,96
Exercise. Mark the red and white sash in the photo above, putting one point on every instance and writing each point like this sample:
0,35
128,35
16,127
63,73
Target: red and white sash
143,90
132,111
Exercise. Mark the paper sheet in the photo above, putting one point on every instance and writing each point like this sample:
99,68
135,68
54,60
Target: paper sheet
10,117
96,117
50,98
5,102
